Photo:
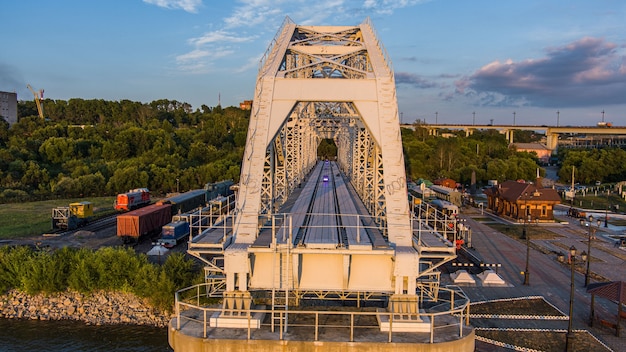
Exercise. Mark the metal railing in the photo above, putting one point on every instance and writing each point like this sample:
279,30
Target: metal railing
193,306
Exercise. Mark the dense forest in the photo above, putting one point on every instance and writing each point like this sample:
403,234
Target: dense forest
487,153
95,147
607,165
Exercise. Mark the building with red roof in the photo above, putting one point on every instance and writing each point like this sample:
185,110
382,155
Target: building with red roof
522,201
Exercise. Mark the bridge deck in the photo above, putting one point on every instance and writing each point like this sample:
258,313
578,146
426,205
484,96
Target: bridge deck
303,198
355,231
324,215
217,236
322,229
428,237
303,201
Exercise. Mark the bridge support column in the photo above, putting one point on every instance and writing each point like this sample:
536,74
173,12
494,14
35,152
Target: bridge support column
509,135
552,141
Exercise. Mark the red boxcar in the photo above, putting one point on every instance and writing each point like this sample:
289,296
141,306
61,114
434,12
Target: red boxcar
143,222
133,199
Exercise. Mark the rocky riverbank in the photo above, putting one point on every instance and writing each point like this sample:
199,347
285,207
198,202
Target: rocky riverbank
97,308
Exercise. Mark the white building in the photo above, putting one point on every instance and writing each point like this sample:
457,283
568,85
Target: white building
8,107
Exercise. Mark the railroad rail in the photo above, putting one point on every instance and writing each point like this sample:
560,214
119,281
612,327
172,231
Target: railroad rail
96,225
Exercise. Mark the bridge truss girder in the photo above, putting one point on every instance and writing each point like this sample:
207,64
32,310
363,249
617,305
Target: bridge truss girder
315,83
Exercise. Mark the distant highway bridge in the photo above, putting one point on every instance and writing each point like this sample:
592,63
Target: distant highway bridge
552,132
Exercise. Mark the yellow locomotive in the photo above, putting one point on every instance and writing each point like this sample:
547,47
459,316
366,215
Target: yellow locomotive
69,218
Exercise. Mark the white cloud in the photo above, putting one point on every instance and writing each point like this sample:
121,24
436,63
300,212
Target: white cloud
201,61
252,63
207,50
219,36
387,7
586,72
192,55
190,6
258,14
252,13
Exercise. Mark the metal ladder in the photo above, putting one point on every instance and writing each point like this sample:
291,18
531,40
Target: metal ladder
282,283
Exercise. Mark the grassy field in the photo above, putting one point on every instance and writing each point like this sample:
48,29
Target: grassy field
34,218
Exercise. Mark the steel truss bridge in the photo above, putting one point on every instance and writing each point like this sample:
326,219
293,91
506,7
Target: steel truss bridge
328,229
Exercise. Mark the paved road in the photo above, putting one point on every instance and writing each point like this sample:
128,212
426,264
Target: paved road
548,277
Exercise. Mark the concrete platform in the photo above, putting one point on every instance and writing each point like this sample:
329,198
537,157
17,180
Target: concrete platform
420,324
462,277
190,338
218,320
490,278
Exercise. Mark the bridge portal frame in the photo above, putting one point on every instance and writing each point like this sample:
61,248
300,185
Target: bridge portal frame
300,72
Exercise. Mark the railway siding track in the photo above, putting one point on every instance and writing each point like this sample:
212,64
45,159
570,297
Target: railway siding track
96,225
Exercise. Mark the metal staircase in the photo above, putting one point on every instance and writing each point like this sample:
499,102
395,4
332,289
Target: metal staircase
283,281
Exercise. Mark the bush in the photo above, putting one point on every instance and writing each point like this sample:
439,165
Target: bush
84,270
12,268
84,275
13,195
179,269
117,267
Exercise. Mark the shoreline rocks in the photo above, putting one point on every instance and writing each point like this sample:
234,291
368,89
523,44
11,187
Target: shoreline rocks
98,308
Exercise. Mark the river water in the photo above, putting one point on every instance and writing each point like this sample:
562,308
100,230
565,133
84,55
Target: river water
18,335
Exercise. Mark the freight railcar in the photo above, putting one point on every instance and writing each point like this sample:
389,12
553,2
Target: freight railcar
187,201
192,216
133,199
222,188
173,232
446,207
448,194
146,221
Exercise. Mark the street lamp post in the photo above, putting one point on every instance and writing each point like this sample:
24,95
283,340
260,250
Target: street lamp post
606,211
589,236
570,336
527,270
526,237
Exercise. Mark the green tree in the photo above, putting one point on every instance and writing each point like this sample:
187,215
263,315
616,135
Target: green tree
126,178
58,149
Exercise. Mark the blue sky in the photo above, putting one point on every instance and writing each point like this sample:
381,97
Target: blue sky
455,61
